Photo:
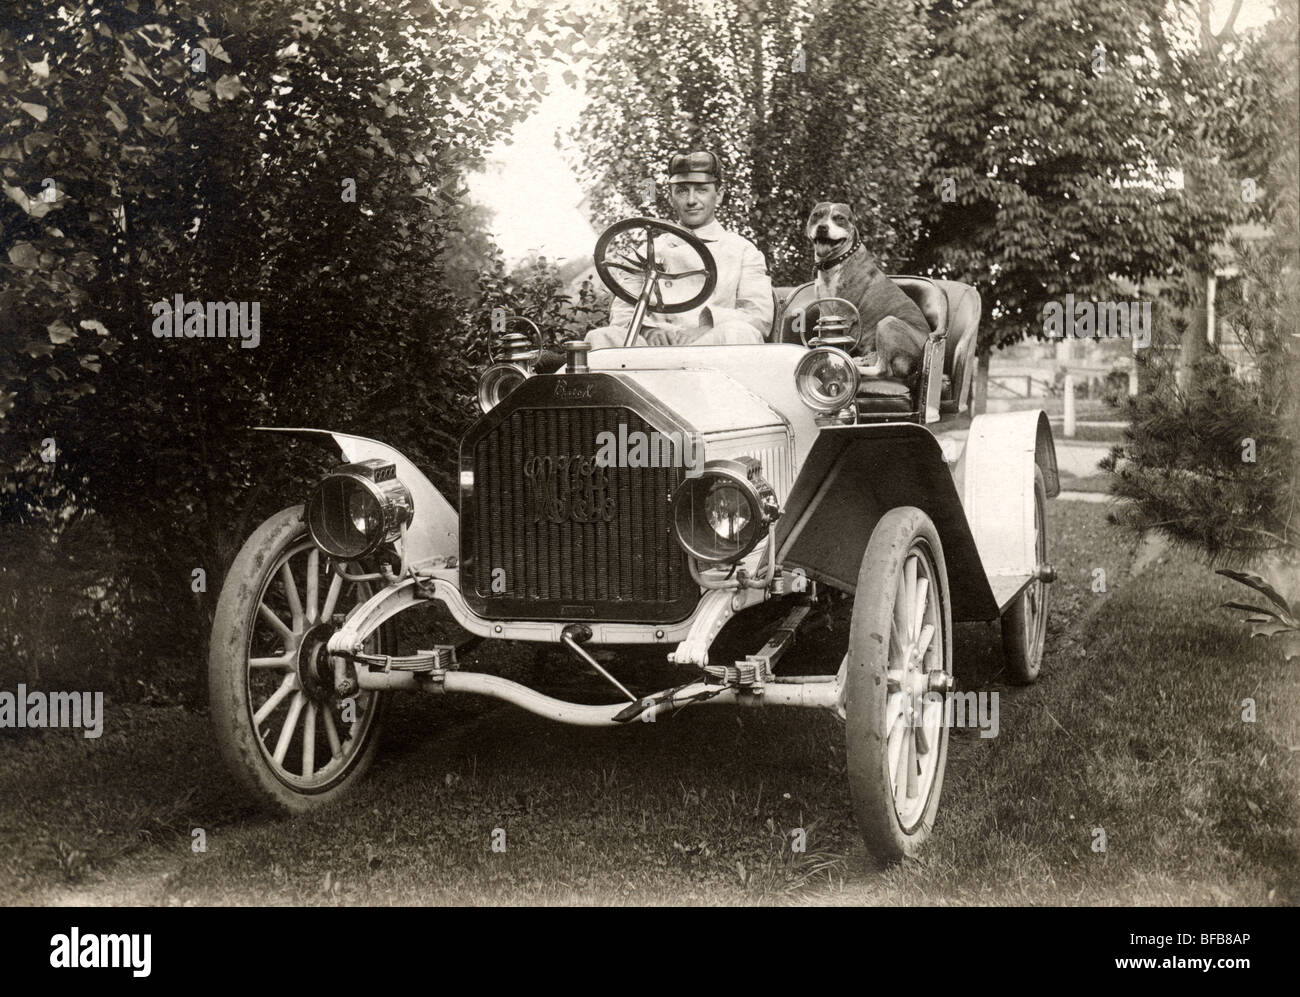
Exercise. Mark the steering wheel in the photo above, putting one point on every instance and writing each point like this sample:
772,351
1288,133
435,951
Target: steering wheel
629,248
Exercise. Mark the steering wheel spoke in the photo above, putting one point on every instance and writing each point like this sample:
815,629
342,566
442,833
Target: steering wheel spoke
623,266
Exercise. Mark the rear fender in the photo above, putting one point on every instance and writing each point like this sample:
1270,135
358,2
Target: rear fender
853,476
434,531
1002,450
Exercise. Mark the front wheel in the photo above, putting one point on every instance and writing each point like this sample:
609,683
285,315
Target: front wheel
897,674
285,734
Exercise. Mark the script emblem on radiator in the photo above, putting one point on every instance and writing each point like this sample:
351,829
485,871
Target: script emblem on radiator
567,489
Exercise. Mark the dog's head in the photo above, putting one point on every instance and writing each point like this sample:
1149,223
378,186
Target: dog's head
831,228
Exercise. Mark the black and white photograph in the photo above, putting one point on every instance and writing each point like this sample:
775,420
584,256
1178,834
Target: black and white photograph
651,453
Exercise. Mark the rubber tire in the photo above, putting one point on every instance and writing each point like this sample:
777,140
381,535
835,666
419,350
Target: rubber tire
227,694
1023,667
866,693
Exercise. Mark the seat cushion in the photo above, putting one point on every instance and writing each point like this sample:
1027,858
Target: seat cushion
883,387
884,395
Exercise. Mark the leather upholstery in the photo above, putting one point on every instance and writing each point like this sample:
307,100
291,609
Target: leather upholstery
883,387
884,396
964,309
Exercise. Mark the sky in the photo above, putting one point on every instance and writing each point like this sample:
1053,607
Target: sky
531,189
534,195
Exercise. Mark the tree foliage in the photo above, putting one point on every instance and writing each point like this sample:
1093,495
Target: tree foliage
209,150
803,101
1216,465
1063,129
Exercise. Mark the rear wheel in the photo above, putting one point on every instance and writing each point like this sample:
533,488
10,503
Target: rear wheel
285,734
1024,624
897,673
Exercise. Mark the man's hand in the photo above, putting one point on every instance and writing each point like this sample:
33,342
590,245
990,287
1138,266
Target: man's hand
677,335
662,337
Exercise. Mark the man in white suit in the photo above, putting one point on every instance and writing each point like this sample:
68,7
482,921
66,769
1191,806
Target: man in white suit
740,308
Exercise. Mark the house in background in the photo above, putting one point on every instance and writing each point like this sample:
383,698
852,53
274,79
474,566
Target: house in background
1227,277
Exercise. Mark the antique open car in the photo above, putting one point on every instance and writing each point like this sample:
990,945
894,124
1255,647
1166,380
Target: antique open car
780,490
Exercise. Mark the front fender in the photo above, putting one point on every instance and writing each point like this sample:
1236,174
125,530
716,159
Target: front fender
435,528
853,476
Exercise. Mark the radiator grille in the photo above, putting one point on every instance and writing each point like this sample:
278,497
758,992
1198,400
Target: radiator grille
555,538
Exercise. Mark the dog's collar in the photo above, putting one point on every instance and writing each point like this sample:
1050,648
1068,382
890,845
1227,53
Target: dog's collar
837,260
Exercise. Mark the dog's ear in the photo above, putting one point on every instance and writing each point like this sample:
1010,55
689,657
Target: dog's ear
853,215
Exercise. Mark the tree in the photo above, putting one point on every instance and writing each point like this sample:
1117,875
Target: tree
1214,464
306,156
469,250
1219,121
803,101
1054,123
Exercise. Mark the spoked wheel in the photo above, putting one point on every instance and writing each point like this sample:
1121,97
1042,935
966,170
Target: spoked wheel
289,739
1024,624
897,673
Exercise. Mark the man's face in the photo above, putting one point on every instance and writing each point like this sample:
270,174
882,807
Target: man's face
694,203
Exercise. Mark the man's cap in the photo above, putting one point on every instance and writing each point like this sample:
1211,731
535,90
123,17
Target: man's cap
694,167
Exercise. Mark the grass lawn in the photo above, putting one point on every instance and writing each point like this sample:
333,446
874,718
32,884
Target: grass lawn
1098,483
1085,432
1135,728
